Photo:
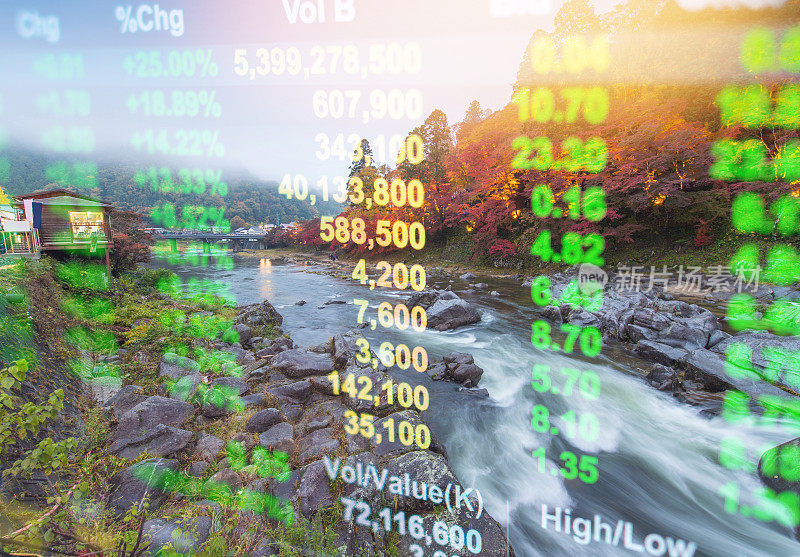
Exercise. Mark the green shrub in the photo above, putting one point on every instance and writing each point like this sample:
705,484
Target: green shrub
19,419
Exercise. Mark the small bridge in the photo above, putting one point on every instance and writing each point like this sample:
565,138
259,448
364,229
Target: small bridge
237,241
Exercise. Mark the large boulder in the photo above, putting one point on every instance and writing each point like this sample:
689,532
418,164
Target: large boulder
259,316
425,469
151,412
299,364
716,374
777,467
753,349
138,484
162,440
185,538
444,315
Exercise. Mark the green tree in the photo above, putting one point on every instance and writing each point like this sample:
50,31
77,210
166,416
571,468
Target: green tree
238,222
437,141
473,116
362,157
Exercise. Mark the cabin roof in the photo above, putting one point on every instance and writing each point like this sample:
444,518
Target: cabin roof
61,196
71,201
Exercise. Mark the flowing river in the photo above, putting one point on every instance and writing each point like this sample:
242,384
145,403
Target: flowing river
658,458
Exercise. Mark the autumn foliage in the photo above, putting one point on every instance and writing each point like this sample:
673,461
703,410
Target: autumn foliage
656,179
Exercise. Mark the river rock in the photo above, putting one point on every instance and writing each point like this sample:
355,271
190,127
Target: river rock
255,399
229,477
232,385
247,440
461,368
770,467
279,437
243,357
437,372
126,398
185,538
388,448
299,364
663,378
278,345
222,400
244,333
263,420
259,315
444,315
264,548
298,391
316,444
185,388
345,348
162,440
208,447
426,469
175,366
198,469
314,423
151,412
314,491
127,490
467,276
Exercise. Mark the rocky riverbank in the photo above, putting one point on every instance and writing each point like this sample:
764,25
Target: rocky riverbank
215,430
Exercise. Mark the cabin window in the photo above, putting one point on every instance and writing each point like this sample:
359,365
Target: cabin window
86,224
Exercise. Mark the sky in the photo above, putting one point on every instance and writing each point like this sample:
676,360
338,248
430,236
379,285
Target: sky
266,124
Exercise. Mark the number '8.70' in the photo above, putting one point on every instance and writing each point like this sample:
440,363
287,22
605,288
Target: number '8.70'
589,339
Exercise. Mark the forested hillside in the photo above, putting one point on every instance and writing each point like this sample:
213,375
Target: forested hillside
124,184
665,158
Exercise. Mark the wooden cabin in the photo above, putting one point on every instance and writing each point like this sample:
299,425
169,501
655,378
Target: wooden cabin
59,220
